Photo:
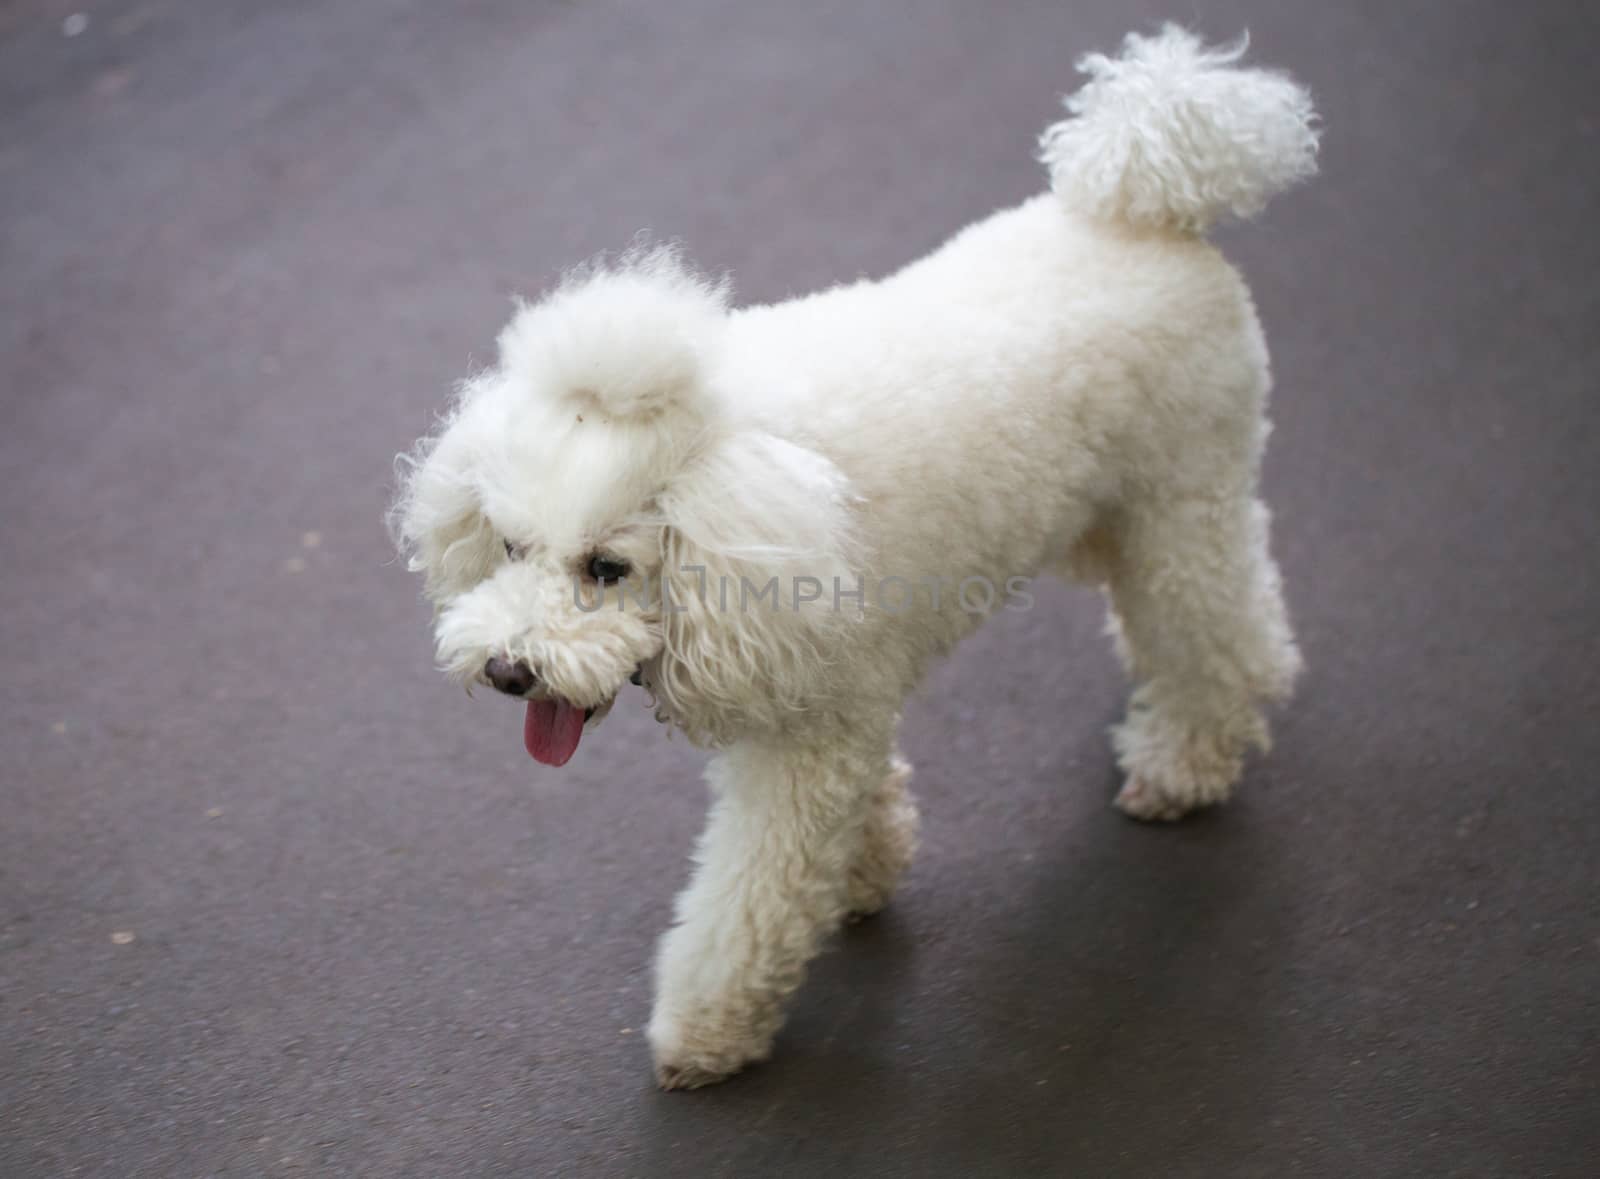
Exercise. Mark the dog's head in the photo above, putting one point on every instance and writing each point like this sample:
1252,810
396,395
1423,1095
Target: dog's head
602,505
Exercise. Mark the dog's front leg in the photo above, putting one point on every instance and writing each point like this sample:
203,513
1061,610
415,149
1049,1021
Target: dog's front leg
771,883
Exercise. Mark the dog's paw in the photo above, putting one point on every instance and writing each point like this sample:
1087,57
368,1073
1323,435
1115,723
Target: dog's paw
1174,768
689,1057
1141,799
690,1071
887,848
687,1076
869,890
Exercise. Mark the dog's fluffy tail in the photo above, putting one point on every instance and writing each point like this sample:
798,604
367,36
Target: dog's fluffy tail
1173,134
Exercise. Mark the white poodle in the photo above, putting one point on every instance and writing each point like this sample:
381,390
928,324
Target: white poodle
775,517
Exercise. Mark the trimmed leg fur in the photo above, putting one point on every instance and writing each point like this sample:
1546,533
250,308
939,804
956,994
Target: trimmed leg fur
1201,624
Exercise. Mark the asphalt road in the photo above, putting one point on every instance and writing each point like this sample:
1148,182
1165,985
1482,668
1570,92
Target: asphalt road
275,900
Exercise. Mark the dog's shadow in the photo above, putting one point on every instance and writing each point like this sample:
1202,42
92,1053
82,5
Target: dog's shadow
1100,1005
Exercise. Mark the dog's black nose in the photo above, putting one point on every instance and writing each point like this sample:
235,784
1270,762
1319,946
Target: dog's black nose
514,679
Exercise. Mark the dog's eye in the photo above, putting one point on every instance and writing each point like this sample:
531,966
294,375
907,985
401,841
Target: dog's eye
513,551
607,568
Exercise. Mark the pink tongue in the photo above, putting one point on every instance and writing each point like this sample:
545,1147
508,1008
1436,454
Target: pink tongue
552,730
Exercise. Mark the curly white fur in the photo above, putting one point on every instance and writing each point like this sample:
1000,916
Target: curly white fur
1170,134
1047,392
630,339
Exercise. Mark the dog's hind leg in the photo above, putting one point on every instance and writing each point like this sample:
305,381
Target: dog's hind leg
773,879
889,840
1200,622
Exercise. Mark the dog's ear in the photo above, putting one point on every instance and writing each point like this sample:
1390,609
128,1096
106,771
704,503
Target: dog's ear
757,544
628,340
436,519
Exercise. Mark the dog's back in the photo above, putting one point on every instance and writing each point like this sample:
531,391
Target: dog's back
989,400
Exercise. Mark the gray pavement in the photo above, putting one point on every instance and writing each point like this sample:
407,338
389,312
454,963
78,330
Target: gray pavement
275,900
